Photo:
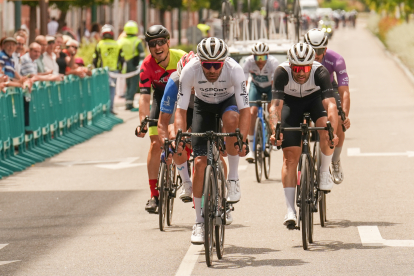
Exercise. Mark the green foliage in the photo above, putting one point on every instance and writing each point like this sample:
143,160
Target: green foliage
185,47
336,5
400,40
255,5
86,51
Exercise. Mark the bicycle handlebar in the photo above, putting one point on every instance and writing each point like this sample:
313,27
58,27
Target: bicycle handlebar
144,123
343,118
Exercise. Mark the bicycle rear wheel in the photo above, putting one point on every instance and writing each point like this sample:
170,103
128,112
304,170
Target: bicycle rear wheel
208,212
220,229
163,199
258,149
304,205
171,196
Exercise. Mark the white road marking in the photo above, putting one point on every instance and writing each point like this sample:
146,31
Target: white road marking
243,167
189,261
115,164
6,262
371,236
357,152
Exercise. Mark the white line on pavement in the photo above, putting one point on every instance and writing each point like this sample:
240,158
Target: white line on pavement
189,261
371,236
6,262
243,167
357,152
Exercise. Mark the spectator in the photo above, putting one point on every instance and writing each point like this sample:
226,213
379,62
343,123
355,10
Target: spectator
60,55
52,27
67,31
29,65
41,40
73,67
49,57
95,32
6,58
20,51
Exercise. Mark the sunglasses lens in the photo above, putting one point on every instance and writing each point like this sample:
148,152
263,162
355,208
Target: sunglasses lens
157,42
320,51
305,69
260,58
216,65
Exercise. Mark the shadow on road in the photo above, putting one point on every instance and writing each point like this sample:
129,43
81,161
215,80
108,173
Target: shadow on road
347,223
326,246
238,257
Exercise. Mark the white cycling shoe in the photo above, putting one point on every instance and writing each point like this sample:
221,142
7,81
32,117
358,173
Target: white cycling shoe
186,192
337,173
197,236
250,157
290,220
229,218
325,181
233,191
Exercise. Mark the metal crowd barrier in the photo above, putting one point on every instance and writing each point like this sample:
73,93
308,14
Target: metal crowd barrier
53,117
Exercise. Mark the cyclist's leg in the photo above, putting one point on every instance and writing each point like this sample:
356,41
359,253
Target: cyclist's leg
336,169
292,115
253,96
153,159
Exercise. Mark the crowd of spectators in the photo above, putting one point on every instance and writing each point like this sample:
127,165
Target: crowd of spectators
49,58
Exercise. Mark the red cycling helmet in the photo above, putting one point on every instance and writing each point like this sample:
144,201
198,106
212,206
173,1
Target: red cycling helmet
184,60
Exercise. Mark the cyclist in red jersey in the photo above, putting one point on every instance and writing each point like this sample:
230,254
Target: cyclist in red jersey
155,72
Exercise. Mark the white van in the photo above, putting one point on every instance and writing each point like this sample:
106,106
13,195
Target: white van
309,7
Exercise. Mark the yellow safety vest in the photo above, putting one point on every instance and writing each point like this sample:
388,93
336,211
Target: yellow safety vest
203,28
129,46
108,50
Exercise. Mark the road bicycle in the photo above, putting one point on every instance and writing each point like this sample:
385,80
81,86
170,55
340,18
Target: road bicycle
214,204
262,145
308,195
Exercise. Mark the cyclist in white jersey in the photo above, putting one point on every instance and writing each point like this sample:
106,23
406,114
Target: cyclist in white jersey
302,85
220,89
261,66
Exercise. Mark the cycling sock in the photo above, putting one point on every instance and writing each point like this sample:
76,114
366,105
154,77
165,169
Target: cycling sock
233,167
183,171
197,205
325,162
290,199
251,140
153,187
337,154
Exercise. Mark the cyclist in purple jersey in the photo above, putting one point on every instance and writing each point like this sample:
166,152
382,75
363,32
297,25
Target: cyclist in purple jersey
334,62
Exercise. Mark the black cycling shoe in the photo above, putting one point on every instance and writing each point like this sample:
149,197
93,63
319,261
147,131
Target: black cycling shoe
152,205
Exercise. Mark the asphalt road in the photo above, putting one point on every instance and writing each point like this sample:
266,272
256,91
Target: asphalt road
82,212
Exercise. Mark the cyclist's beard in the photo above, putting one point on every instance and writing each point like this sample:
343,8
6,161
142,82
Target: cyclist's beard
212,76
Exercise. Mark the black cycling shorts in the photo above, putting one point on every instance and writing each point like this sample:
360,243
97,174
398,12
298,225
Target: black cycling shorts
204,119
292,115
189,117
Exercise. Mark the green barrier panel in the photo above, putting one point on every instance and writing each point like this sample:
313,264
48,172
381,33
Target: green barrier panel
85,86
7,167
34,138
9,161
15,105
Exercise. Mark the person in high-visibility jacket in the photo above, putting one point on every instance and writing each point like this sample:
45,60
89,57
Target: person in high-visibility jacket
133,52
108,53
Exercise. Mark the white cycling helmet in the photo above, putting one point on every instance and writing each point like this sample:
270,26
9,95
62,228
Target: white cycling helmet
301,54
212,48
260,48
316,38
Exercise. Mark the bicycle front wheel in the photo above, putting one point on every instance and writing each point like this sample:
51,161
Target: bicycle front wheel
258,149
163,199
267,153
220,229
208,212
304,195
171,188
321,194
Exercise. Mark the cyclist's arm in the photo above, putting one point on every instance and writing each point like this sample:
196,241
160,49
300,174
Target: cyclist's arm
323,80
167,108
145,81
343,84
242,99
280,80
184,94
163,121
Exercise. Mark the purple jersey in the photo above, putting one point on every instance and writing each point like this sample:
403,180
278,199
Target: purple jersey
334,62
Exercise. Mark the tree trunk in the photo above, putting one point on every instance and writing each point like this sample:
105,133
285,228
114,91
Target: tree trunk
62,19
33,22
162,17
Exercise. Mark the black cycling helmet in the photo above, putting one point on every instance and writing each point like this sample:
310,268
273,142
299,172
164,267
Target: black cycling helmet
156,31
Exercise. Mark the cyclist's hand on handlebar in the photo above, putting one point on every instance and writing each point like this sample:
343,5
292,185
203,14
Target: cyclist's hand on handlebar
278,142
347,123
244,150
180,147
334,141
138,132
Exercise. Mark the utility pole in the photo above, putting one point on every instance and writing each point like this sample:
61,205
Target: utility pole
115,18
17,14
179,26
144,15
44,16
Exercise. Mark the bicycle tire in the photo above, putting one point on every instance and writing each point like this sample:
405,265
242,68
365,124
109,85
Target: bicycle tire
220,230
258,149
170,202
208,213
267,154
321,194
311,195
163,198
304,206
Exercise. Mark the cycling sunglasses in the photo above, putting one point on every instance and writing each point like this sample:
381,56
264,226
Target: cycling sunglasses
260,57
320,51
305,68
207,64
158,42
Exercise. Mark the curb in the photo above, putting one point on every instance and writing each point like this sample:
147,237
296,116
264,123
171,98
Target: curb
396,59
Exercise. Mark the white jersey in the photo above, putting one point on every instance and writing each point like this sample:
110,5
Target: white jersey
230,82
301,90
264,77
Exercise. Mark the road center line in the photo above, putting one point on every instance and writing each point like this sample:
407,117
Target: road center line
189,261
371,236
